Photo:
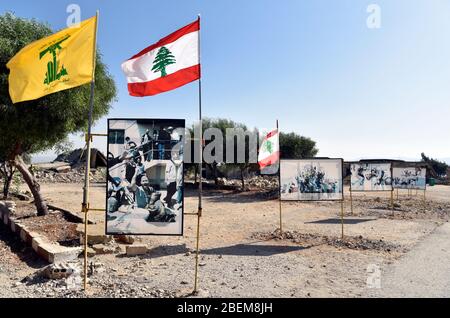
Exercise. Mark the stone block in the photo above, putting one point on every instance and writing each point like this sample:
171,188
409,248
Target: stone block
136,249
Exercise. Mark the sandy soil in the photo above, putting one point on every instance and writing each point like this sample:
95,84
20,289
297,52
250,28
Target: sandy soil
235,264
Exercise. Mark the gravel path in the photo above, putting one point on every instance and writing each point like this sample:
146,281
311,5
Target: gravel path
423,272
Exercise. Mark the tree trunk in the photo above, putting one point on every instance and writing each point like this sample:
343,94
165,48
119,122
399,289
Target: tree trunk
8,173
213,168
34,186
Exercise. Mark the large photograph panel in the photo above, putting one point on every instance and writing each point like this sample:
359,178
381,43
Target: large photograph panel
409,178
371,177
145,176
311,179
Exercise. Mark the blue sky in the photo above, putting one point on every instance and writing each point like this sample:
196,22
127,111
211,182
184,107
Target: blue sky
314,65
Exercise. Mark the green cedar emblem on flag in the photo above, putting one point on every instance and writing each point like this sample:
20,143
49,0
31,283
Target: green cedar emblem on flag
267,146
163,58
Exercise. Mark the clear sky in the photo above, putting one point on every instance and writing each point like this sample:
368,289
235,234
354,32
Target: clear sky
313,64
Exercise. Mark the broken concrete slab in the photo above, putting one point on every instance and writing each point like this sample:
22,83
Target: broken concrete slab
105,249
50,165
63,169
56,253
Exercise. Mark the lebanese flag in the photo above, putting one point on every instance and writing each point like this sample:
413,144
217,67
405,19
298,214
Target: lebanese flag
269,151
168,64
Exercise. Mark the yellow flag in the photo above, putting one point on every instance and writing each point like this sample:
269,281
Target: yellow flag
61,61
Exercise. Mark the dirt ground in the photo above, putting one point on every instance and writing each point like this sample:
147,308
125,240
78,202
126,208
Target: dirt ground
240,256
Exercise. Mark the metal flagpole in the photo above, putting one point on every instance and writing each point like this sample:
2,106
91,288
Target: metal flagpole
392,201
200,186
279,180
85,204
351,200
342,218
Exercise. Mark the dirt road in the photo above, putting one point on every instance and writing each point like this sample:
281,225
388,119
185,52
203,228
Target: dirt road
233,264
423,272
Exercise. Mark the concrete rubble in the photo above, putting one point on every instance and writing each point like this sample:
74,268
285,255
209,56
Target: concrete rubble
61,270
260,182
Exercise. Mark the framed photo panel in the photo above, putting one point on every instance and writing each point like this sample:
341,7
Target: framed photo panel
371,177
409,178
145,177
311,180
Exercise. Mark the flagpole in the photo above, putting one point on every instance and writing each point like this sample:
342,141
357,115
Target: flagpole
85,204
279,180
200,186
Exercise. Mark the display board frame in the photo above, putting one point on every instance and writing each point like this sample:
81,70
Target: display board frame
409,188
339,199
181,124
371,163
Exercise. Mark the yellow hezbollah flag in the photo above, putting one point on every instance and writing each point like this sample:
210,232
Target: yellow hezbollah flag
55,63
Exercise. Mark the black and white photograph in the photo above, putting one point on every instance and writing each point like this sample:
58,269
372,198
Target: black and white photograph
311,179
409,178
145,176
371,177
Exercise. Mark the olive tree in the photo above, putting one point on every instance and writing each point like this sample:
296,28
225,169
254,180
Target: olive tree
39,125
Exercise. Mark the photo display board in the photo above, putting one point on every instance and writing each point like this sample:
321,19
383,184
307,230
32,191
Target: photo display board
371,177
409,178
145,177
311,180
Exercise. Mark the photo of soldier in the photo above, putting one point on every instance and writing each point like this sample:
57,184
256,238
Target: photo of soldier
145,177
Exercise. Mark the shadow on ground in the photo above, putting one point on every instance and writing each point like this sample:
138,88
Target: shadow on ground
161,251
234,196
338,221
253,250
24,253
237,250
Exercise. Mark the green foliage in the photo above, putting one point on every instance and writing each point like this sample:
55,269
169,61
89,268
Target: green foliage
438,166
293,146
38,125
16,182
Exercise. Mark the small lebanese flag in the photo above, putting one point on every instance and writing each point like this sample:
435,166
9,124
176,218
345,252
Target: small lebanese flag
168,64
269,151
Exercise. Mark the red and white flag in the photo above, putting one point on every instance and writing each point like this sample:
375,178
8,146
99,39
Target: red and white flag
269,151
168,64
